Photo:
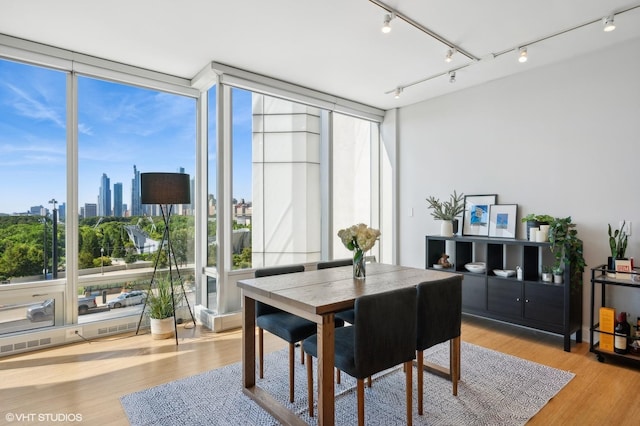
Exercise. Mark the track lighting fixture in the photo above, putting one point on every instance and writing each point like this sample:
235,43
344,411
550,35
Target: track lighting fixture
386,26
522,54
608,24
450,53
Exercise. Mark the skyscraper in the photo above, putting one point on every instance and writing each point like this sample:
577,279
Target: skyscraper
90,210
104,198
117,199
62,212
136,205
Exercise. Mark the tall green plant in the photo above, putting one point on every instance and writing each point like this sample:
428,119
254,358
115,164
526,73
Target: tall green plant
567,248
618,242
160,304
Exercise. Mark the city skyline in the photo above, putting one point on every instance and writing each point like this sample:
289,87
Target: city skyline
118,126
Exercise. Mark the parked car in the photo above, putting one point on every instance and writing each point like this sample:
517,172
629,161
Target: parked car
86,303
41,312
128,299
44,311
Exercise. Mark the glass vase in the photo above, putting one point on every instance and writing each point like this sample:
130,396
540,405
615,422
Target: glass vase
359,272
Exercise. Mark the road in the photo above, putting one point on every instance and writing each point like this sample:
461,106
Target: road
14,318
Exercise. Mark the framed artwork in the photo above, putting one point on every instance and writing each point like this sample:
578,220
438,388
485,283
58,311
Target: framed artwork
502,220
475,219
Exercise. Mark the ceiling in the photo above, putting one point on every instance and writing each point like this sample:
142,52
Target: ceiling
334,46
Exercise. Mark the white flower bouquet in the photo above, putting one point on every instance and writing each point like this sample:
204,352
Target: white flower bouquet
359,237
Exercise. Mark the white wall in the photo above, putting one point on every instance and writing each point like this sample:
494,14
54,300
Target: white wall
562,140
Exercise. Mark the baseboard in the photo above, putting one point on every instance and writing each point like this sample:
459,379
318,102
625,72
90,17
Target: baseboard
55,336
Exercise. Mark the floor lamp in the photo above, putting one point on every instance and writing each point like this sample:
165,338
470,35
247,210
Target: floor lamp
166,189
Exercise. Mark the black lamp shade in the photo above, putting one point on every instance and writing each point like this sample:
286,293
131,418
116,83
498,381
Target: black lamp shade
165,188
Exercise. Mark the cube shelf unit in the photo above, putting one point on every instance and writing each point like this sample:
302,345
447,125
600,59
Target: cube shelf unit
555,308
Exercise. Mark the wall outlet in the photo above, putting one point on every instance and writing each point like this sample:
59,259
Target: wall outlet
73,333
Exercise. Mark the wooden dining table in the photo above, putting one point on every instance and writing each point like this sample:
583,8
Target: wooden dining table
315,295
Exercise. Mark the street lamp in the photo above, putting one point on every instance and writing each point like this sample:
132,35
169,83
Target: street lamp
54,241
44,246
102,260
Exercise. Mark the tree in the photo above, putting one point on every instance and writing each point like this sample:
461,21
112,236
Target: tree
163,259
21,259
101,261
118,250
242,260
89,248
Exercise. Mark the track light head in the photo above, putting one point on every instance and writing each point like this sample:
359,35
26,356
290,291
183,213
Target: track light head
452,77
386,25
450,53
608,24
397,92
522,54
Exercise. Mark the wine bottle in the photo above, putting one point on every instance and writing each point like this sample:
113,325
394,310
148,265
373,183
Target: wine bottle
622,333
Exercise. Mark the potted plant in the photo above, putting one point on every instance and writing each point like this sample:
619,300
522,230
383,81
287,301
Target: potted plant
557,274
535,221
160,308
567,249
546,274
618,245
447,212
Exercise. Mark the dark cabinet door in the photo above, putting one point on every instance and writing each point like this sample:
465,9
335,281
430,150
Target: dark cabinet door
544,302
474,292
504,297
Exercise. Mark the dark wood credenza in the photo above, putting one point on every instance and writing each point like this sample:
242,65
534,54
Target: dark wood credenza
529,302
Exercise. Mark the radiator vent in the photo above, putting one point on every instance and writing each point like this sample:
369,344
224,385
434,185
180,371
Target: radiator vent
4,349
40,339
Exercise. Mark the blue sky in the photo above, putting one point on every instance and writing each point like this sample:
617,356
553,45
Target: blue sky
118,126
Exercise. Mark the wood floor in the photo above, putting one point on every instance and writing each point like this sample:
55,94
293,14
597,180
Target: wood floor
89,378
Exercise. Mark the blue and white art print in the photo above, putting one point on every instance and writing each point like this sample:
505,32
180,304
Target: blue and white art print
476,214
502,220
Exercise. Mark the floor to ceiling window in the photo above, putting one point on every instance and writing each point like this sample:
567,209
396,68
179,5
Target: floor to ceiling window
123,132
74,141
212,179
242,179
212,249
355,142
33,203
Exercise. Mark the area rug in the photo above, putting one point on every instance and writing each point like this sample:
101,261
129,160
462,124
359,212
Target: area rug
495,389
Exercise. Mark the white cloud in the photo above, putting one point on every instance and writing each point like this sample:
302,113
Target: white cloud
30,107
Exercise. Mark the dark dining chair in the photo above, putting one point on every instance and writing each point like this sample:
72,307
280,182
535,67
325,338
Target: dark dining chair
287,326
439,317
382,336
347,314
